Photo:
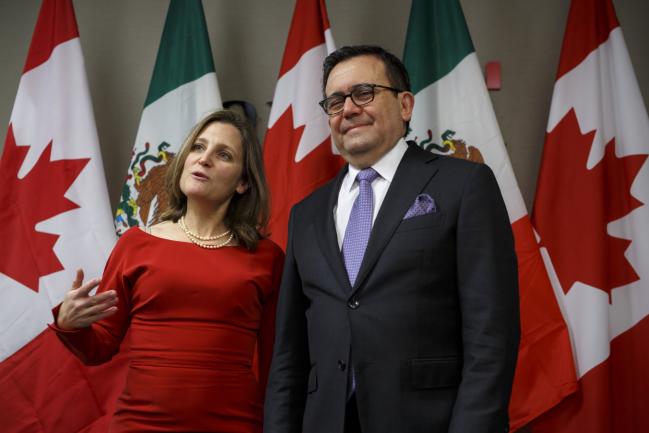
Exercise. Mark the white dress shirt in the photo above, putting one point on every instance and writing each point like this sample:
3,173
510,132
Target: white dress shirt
386,167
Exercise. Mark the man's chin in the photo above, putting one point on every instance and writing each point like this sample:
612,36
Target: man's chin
358,140
356,148
356,153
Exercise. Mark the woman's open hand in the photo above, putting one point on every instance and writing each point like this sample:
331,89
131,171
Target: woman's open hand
80,309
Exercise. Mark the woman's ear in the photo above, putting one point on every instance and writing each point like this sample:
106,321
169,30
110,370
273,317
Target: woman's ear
242,187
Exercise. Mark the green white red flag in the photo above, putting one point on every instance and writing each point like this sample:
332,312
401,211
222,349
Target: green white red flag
453,115
183,89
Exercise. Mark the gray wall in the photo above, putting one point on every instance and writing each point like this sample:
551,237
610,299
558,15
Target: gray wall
120,39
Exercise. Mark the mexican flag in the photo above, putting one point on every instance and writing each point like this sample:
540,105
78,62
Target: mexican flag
453,116
183,89
55,217
298,153
591,213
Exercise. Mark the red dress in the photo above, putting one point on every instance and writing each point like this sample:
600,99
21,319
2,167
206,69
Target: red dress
196,317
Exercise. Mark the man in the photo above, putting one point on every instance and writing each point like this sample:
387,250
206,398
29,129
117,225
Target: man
412,326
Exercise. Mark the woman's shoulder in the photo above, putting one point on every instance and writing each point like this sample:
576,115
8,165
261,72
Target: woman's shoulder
158,234
131,240
268,252
132,235
268,245
138,234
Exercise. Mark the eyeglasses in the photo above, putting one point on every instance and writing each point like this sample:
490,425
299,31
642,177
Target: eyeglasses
361,94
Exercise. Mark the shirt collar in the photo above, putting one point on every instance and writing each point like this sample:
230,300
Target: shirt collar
386,167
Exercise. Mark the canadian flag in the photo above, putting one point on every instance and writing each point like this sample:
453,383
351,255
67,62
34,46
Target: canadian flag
55,217
298,153
591,214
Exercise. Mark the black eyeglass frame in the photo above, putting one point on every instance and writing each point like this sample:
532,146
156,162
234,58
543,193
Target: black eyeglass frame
355,88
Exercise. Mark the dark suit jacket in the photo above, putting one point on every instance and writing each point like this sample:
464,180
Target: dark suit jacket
432,322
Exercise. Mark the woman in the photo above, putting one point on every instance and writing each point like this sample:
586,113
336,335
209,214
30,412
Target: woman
197,293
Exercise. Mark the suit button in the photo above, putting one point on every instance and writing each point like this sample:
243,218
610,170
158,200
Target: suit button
341,365
353,304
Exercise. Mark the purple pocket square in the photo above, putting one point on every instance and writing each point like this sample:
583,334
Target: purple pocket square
423,205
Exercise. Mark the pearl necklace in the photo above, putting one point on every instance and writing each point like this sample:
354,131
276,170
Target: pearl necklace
195,236
196,239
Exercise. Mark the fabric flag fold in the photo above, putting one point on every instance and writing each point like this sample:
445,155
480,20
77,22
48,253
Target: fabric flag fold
591,216
183,89
453,115
55,217
298,153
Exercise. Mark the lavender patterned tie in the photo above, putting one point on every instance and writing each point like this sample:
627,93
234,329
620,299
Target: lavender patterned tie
360,224
357,234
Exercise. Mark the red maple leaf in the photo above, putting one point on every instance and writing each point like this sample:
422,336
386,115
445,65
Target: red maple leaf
574,205
26,253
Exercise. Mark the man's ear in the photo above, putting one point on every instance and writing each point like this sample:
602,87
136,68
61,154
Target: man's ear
407,101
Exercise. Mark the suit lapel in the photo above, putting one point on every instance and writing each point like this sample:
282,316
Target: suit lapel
325,229
410,179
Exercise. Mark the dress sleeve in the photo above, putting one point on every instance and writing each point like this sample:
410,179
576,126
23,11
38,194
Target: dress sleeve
99,342
267,325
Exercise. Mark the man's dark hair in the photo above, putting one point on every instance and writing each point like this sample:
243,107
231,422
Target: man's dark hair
394,68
